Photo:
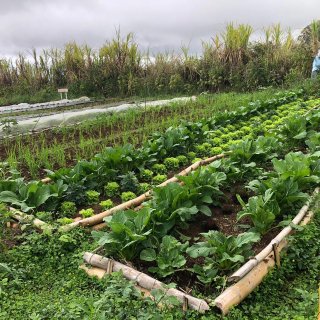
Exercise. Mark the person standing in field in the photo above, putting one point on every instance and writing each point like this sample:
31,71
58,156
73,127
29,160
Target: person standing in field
316,66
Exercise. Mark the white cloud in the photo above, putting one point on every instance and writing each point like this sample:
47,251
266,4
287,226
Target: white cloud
160,25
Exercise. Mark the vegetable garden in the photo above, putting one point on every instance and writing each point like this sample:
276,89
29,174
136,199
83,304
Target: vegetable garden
189,205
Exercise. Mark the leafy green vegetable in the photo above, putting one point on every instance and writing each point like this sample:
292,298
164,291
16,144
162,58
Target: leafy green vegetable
126,196
87,213
221,252
262,211
128,232
106,204
92,196
112,189
68,208
169,258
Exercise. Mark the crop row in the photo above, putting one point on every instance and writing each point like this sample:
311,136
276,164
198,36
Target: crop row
154,236
62,147
123,172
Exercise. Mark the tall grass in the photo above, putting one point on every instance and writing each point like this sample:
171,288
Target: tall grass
120,68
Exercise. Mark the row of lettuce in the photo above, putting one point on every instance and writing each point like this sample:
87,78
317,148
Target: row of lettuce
277,183
121,173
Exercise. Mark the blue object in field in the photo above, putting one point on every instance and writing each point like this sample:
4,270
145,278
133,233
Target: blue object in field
316,64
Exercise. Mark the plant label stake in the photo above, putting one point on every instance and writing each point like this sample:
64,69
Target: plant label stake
63,90
185,304
109,266
276,253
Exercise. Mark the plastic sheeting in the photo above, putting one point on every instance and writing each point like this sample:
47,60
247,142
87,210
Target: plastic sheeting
38,123
23,107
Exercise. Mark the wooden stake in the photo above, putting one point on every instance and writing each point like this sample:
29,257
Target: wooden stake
276,253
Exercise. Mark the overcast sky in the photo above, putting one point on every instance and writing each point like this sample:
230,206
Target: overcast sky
157,24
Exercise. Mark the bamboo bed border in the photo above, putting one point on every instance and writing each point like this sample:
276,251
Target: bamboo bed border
23,217
230,297
245,279
251,274
143,280
98,218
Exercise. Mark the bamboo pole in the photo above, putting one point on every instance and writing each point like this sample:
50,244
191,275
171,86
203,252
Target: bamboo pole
46,180
241,272
143,280
29,218
98,218
237,292
100,273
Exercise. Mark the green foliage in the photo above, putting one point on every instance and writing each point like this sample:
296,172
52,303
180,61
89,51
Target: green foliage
221,252
174,204
195,160
183,160
64,221
169,258
203,149
92,196
126,196
146,175
128,231
216,150
29,196
191,155
206,182
129,182
298,166
86,213
313,141
171,163
286,192
112,189
68,208
76,193
44,216
262,210
294,128
158,179
159,168
106,204
144,187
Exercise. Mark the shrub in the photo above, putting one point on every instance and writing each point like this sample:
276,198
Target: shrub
92,196
126,196
146,175
86,213
159,168
68,208
106,204
158,179
112,189
196,160
171,163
